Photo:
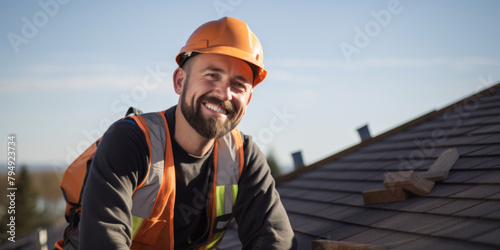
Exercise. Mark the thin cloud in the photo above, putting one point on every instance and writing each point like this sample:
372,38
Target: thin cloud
84,77
457,64
291,77
72,82
73,69
472,62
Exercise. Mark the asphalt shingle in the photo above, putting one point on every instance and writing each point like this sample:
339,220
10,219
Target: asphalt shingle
443,244
424,204
415,223
343,232
468,229
368,236
491,237
455,207
488,177
458,177
478,191
483,209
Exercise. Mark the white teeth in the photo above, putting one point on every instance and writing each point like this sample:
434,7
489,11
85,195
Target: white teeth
215,108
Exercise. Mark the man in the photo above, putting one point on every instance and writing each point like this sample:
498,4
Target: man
175,179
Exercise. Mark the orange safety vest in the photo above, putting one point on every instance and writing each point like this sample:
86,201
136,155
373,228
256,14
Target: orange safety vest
153,200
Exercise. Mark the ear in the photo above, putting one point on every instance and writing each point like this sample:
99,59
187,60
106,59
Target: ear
179,79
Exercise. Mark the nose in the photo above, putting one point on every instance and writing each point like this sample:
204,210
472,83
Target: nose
223,91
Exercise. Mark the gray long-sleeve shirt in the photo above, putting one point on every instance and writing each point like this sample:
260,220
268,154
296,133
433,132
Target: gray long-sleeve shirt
120,164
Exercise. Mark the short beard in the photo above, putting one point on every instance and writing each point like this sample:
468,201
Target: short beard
211,128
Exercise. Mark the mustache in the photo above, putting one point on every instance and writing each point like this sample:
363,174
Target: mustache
227,105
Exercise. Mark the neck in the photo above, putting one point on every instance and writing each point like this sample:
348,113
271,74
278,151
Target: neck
188,138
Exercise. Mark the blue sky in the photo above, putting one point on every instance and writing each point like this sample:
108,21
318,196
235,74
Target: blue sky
69,68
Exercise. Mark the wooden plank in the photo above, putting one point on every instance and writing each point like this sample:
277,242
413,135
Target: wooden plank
342,245
439,170
385,195
409,181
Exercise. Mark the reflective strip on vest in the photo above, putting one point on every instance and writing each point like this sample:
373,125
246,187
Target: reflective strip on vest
217,237
144,198
136,224
227,179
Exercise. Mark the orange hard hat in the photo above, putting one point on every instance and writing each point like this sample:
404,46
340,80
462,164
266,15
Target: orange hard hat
227,36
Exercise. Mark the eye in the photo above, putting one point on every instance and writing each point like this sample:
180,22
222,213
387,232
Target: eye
241,87
212,76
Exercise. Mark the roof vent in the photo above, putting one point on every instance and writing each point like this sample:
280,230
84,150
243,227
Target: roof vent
298,162
364,133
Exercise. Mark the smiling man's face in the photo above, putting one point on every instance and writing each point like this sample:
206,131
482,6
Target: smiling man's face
216,92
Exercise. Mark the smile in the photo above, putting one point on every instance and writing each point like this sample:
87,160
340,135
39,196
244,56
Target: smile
215,108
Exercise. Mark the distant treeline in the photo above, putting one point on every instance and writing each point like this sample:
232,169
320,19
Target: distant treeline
34,200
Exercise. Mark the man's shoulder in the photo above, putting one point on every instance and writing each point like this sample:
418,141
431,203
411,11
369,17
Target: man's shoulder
250,146
123,131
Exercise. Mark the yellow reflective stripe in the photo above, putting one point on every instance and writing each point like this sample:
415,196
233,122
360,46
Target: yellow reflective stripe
136,224
219,195
235,192
216,238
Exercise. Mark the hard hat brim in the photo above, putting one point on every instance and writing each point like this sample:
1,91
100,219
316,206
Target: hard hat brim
259,71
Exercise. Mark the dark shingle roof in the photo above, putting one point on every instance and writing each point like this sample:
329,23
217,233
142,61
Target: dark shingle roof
324,200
